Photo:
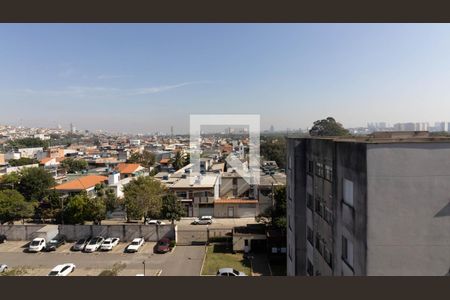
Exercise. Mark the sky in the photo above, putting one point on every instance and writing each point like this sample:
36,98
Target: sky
143,78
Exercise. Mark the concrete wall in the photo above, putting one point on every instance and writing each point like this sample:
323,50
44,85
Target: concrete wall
19,232
408,209
126,232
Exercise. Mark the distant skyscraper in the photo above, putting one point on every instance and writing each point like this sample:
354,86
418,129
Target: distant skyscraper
171,131
73,129
272,129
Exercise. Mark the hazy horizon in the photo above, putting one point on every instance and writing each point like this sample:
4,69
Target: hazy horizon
142,78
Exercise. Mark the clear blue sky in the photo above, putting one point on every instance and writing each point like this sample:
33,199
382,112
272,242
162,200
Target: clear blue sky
146,77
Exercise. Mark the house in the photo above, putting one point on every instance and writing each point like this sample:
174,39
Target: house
84,183
235,208
129,170
250,238
198,193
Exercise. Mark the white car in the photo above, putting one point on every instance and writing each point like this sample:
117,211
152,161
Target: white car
135,245
3,268
229,272
37,245
62,270
94,244
205,220
155,222
109,244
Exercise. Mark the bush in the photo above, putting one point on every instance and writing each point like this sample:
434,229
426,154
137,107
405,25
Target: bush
114,271
18,271
172,243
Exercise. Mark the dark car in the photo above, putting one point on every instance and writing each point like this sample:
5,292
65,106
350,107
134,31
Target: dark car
2,238
163,246
80,244
55,243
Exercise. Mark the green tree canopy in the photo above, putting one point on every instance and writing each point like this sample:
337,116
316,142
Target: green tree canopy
143,198
274,149
35,183
146,159
10,181
179,160
75,209
13,207
172,209
23,161
74,165
28,143
328,127
276,215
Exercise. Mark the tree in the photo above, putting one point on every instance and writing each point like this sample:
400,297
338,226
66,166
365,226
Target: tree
108,196
179,160
276,215
23,161
10,181
143,198
95,210
28,143
74,165
76,208
146,159
35,183
13,207
50,207
172,209
328,127
274,149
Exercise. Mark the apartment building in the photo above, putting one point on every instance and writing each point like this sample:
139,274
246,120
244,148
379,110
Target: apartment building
368,206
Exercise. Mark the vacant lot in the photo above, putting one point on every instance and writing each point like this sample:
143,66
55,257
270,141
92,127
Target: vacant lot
219,256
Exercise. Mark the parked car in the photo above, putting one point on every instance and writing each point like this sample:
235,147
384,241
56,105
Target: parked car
3,268
154,222
2,238
135,245
205,220
163,246
229,272
109,244
55,243
37,245
62,270
94,244
80,244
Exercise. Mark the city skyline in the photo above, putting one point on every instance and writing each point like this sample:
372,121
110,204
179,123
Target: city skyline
141,78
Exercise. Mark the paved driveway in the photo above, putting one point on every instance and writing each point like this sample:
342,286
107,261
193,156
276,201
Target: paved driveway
183,261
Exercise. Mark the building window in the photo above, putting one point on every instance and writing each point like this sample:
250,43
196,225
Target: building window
347,251
319,169
318,205
328,257
310,167
328,216
309,268
328,173
310,235
348,192
290,162
319,243
309,201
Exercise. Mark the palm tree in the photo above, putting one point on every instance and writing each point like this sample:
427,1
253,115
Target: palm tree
178,161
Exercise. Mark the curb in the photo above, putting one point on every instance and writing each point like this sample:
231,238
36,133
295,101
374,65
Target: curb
204,258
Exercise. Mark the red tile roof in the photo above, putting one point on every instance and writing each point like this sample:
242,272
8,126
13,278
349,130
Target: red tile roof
128,168
45,160
82,183
164,161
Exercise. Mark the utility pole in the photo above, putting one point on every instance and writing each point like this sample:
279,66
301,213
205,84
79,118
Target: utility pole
143,262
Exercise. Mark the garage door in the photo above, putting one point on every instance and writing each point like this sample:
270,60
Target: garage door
206,211
247,211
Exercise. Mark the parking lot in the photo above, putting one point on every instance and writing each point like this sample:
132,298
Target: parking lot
182,261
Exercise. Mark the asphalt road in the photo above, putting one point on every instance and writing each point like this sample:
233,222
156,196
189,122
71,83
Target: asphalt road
182,261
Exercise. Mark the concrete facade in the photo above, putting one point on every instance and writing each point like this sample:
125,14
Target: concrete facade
368,207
